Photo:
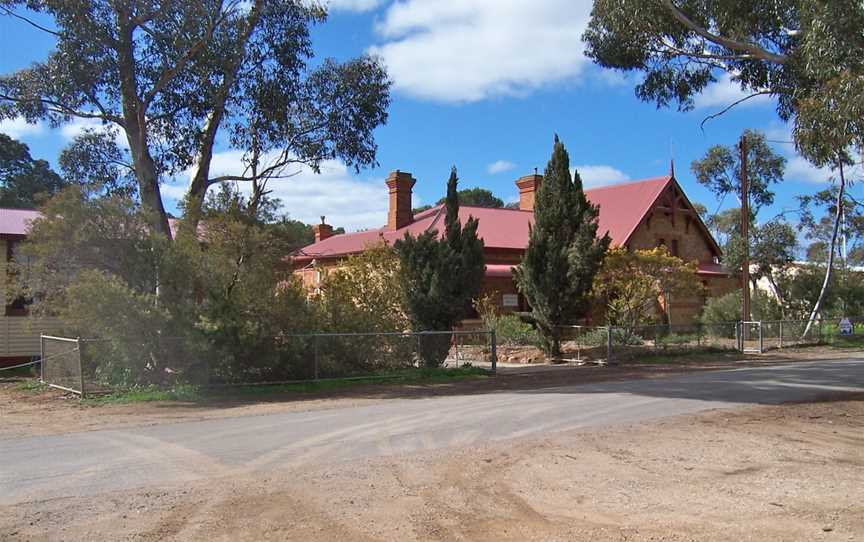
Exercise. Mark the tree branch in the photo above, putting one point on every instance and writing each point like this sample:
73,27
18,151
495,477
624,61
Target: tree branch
11,13
730,106
62,109
170,73
753,49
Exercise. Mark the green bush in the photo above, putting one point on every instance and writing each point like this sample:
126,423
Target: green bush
512,331
620,337
727,308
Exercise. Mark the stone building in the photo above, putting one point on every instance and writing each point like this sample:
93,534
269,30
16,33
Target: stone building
636,215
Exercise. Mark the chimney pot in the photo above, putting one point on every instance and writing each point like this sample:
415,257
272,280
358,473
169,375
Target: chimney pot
400,185
322,231
528,186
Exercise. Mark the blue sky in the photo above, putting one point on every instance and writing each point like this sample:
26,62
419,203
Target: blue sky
483,85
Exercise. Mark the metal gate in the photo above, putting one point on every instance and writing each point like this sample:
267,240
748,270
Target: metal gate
749,335
61,363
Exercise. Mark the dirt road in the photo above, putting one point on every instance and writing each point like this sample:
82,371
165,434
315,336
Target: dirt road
90,463
760,473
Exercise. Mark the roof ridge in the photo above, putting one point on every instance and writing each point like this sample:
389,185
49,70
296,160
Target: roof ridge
494,208
664,178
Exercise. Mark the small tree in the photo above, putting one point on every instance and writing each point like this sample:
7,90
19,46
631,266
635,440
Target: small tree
440,277
563,252
631,284
24,182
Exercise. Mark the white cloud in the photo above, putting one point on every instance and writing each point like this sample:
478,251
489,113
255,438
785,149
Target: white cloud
473,49
594,175
335,193
353,5
799,169
500,166
19,128
724,93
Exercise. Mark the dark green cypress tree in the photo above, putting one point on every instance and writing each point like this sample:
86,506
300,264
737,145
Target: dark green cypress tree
563,253
440,277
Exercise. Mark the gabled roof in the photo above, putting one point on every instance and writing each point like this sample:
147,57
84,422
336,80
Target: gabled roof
622,207
16,221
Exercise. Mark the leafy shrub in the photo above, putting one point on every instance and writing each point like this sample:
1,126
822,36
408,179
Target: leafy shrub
512,331
727,308
360,296
674,339
620,337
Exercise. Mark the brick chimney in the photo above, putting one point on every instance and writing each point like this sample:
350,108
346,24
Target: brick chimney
322,231
400,184
528,185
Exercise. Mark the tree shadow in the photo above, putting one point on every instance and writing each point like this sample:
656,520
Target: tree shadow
752,383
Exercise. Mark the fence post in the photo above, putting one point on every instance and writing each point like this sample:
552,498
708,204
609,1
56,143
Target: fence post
42,358
315,362
738,342
761,344
80,366
609,360
494,351
781,335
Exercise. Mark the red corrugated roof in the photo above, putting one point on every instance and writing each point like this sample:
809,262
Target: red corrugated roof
16,221
622,207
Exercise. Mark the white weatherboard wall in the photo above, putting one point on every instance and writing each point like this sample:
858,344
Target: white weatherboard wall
19,335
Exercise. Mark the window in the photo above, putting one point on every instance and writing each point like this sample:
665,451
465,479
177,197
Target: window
674,247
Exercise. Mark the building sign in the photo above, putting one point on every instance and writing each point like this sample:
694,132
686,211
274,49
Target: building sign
846,327
511,300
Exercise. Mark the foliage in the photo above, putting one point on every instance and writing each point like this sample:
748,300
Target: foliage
24,182
440,277
132,346
77,233
95,162
774,247
95,263
175,78
358,296
720,170
727,308
477,197
817,214
510,330
563,252
806,54
241,298
631,284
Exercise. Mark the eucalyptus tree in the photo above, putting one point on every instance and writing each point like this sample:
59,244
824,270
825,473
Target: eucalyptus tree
179,80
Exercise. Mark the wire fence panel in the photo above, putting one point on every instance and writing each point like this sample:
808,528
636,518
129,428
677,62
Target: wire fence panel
61,363
103,365
584,343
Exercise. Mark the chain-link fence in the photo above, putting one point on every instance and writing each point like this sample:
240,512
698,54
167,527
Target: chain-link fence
61,365
88,365
630,343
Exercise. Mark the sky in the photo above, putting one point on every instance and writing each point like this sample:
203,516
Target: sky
483,85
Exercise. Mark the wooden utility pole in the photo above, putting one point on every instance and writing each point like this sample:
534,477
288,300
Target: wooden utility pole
745,232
